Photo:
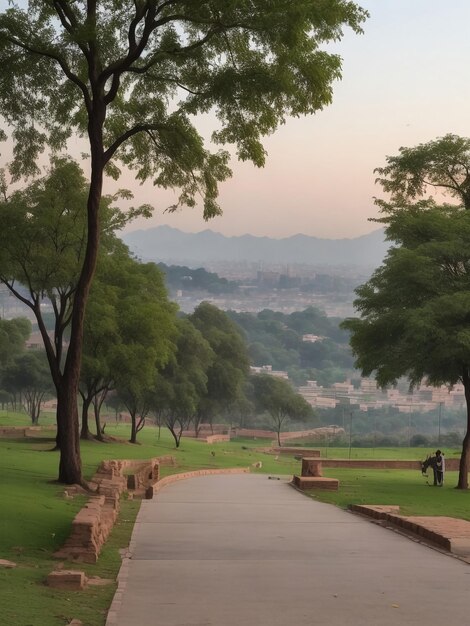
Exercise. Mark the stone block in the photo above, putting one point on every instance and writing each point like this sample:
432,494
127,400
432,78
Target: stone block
316,482
311,467
67,579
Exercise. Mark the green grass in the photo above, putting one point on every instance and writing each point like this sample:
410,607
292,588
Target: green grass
407,488
35,519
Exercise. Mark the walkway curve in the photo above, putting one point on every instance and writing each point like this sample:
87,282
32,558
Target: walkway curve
246,550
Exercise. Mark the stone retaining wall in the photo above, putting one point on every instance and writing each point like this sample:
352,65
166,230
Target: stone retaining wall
94,522
449,533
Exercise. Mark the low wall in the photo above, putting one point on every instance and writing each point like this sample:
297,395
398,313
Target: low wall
254,434
451,464
93,523
309,452
90,530
449,533
13,432
173,478
217,438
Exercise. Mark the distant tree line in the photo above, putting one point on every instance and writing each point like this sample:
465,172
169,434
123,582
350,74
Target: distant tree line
275,338
187,279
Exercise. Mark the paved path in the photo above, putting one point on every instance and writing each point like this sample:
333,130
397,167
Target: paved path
243,550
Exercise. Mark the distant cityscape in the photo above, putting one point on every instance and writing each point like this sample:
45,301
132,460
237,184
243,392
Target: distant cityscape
285,288
421,400
368,396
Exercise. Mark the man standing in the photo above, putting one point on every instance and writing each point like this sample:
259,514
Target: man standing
439,469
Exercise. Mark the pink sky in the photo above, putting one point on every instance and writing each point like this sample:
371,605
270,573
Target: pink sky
405,81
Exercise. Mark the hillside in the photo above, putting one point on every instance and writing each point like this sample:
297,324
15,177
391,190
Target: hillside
171,245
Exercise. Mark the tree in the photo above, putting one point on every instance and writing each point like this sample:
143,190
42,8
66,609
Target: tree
415,310
230,367
132,79
183,381
42,246
146,330
442,165
101,333
28,374
13,335
279,399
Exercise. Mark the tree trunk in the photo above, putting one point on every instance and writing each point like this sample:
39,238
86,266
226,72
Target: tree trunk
70,470
99,432
172,430
133,438
85,431
465,458
70,465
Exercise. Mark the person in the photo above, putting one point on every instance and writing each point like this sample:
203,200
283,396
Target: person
439,469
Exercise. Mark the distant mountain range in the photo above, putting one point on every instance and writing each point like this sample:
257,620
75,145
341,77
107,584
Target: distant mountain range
174,246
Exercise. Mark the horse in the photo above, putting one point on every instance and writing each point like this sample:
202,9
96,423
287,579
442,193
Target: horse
436,463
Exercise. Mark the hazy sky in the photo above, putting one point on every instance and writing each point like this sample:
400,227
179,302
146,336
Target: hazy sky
405,81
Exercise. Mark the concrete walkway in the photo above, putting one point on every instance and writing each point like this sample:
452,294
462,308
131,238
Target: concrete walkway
243,550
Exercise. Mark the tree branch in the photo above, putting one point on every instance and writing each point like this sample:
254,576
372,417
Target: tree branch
65,68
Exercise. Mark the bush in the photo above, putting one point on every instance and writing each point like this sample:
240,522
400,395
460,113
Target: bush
419,441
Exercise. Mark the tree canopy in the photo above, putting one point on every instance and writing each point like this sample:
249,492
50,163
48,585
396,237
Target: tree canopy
145,321
279,399
138,74
442,164
182,383
415,309
229,368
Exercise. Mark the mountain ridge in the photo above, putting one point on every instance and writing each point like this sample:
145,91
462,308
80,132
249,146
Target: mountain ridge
171,245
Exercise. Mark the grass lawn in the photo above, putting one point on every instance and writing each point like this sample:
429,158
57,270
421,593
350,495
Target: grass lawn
35,519
406,488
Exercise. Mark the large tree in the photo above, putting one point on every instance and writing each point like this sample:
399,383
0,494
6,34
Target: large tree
132,76
415,310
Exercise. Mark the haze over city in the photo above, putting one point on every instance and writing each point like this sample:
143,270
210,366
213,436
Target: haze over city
402,85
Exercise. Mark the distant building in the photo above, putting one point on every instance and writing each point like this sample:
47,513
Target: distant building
312,338
421,400
268,369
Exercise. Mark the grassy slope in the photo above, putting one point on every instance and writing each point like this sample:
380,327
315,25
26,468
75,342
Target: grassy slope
35,519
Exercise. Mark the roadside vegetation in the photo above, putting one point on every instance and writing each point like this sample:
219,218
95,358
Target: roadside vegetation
35,518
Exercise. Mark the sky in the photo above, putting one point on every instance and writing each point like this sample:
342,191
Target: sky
405,82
